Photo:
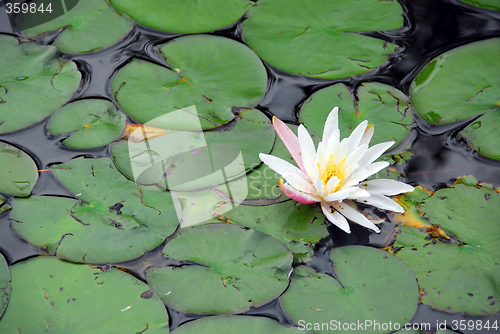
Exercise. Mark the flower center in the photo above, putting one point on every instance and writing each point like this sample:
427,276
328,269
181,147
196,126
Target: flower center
334,170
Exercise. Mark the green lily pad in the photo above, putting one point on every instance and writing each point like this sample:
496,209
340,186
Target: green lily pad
229,324
489,4
62,297
460,274
387,108
198,206
208,76
185,17
322,39
30,67
371,285
18,171
4,284
95,123
234,268
114,220
91,25
4,206
296,225
461,84
185,160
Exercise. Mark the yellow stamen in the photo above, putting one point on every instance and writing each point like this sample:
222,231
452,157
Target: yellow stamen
334,170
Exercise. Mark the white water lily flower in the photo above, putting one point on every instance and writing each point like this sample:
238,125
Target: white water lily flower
334,174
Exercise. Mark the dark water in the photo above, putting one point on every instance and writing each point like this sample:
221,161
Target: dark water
432,27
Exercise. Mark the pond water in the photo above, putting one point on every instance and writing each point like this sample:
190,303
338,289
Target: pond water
431,28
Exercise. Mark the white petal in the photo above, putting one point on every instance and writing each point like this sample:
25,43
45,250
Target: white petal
383,203
340,152
374,152
307,150
354,215
320,187
299,183
356,135
367,136
386,187
332,123
335,218
298,195
361,174
333,141
281,166
340,195
356,155
331,184
359,194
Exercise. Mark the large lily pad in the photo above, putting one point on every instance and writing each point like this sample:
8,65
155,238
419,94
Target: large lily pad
185,160
319,38
371,285
229,324
387,108
461,84
489,4
4,285
186,17
455,259
18,171
91,25
30,67
94,123
297,226
62,297
234,268
211,73
114,220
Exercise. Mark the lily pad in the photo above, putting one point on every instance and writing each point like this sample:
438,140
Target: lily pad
4,206
371,285
489,4
95,123
387,108
91,25
211,73
229,324
62,297
296,225
233,269
114,220
30,67
455,254
185,160
322,39
18,171
4,285
460,84
185,17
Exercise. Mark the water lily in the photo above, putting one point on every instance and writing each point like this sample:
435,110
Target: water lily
334,174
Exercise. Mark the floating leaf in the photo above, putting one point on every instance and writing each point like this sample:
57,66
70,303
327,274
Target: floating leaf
186,160
62,297
371,285
4,285
185,17
18,171
489,4
30,67
461,84
211,73
455,275
387,108
322,39
113,221
91,25
235,324
234,268
297,226
4,206
95,123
